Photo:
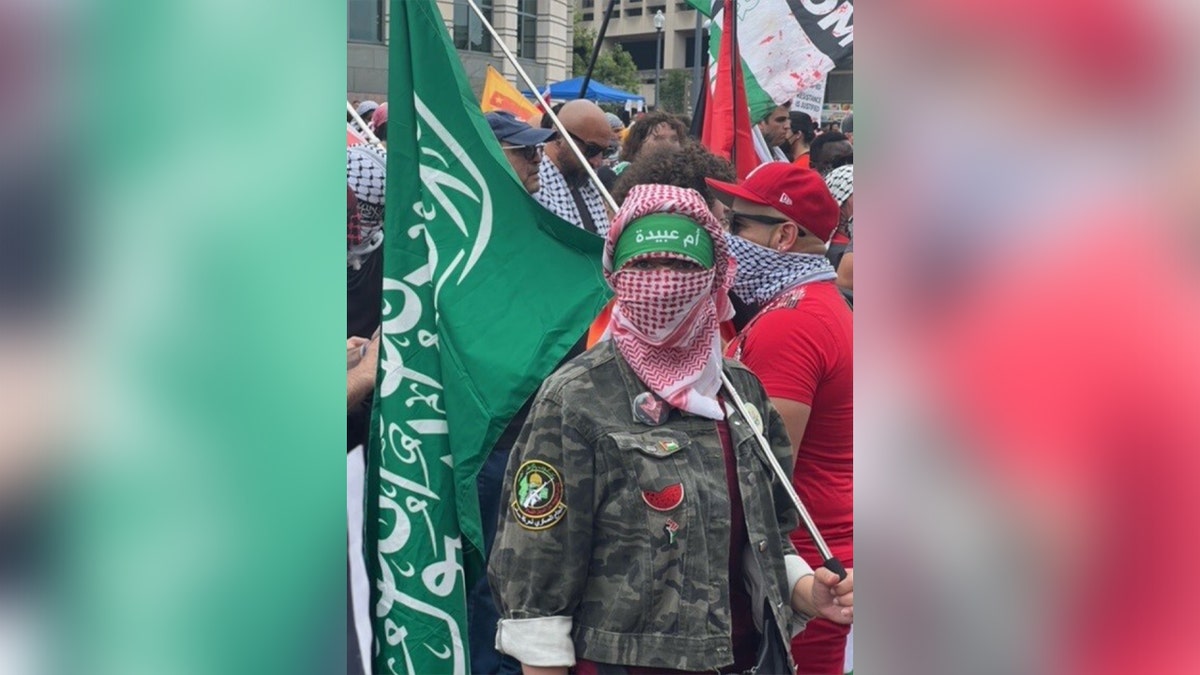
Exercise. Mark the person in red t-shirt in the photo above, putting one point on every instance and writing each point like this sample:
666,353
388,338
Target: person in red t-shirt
800,345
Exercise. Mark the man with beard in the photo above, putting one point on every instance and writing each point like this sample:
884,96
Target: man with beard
800,344
567,190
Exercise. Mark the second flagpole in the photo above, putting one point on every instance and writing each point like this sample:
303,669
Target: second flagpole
562,130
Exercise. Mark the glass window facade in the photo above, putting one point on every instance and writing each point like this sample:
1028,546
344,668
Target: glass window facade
364,20
469,34
689,58
642,52
527,28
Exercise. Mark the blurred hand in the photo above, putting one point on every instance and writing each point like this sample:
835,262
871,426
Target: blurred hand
360,379
354,350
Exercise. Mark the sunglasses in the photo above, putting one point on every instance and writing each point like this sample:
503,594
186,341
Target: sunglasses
589,150
531,153
739,221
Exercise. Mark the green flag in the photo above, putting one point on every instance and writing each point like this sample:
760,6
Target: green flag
705,7
484,292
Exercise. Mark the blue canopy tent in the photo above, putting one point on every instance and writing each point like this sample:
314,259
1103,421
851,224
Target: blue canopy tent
600,93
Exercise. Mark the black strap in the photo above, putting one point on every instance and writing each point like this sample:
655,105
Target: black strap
585,215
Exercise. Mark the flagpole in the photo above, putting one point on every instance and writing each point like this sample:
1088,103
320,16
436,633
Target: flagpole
696,47
735,69
698,112
830,562
596,50
370,136
562,130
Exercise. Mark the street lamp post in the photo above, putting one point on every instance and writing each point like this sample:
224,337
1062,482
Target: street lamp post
659,20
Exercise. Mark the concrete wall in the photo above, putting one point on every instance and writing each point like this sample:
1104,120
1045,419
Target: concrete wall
366,71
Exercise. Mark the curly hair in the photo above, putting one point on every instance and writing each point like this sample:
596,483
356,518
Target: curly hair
687,167
644,127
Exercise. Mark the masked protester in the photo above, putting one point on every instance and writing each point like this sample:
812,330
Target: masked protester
801,347
642,530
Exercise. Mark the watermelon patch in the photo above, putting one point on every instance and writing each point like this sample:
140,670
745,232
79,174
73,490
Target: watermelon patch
665,499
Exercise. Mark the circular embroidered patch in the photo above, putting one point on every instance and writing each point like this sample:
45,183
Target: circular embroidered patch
538,496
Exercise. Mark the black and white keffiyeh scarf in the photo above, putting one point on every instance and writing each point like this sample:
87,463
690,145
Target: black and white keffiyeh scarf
763,273
841,183
841,186
556,196
366,175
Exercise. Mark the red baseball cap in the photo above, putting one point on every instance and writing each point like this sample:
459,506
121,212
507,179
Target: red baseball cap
796,192
380,117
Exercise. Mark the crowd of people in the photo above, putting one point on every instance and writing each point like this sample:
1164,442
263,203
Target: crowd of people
631,519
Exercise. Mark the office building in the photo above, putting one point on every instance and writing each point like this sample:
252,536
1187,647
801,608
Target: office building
537,31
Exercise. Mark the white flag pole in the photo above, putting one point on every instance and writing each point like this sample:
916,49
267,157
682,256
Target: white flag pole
366,131
612,203
830,562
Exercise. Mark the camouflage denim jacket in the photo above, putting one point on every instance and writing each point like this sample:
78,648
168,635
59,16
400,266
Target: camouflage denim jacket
614,540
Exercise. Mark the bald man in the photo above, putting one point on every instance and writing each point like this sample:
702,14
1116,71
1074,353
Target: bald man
566,188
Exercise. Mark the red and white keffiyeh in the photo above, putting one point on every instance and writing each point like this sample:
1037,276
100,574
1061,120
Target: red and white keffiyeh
665,322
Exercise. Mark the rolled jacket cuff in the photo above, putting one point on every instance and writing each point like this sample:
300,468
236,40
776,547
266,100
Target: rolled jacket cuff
797,569
544,641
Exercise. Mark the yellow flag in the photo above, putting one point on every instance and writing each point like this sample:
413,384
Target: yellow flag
498,94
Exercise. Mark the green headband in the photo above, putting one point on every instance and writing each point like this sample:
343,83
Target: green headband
664,233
